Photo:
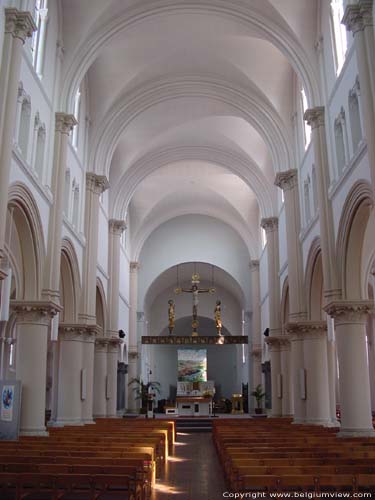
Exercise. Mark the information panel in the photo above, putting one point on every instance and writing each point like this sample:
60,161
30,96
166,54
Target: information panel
10,409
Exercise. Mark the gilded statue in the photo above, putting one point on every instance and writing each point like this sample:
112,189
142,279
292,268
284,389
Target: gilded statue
217,315
171,316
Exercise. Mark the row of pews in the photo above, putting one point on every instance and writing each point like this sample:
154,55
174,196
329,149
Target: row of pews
116,458
274,455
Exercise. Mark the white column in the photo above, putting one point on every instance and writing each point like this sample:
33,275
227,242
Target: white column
371,358
358,20
255,341
18,27
69,402
133,335
43,13
297,367
332,379
111,388
116,228
33,322
315,118
350,323
63,125
95,186
88,351
276,381
285,362
100,377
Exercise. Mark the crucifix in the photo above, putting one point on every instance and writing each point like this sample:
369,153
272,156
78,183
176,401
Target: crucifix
195,291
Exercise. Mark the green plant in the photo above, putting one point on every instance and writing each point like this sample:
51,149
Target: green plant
142,390
258,394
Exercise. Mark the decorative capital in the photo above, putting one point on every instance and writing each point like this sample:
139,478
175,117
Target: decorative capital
303,330
117,226
34,311
349,311
254,265
270,224
256,351
71,332
358,16
134,267
19,24
133,355
64,123
101,345
314,117
113,345
287,180
273,343
96,183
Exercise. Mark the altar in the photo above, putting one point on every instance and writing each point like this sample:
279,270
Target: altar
194,399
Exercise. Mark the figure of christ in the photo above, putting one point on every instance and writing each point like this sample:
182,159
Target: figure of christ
195,291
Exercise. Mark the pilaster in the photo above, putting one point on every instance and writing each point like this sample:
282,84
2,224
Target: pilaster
116,228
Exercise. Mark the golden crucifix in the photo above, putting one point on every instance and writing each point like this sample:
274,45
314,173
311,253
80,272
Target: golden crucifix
195,291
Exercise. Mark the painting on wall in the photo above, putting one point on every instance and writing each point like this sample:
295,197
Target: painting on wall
192,365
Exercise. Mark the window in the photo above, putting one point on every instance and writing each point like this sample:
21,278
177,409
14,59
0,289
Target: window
355,118
340,145
75,214
306,127
263,237
339,34
24,130
67,193
39,36
40,146
77,106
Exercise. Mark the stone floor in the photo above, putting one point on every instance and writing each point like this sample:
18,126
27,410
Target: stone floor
193,472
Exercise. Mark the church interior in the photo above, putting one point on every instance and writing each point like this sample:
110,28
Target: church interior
187,249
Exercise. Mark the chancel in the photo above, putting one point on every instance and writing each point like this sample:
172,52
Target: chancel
225,148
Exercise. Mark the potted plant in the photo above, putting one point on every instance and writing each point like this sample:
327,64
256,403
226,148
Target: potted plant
142,391
258,394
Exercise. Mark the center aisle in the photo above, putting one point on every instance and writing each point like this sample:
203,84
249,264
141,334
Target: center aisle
193,472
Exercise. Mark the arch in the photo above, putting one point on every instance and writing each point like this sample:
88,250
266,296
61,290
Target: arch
236,163
70,283
352,228
252,107
264,27
101,311
27,245
314,281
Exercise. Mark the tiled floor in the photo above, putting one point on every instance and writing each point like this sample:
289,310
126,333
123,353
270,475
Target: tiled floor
193,472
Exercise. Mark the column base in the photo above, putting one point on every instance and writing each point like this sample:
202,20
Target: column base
298,421
62,423
317,421
34,432
275,415
99,415
88,422
350,433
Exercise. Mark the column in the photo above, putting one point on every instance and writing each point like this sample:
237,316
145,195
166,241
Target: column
297,368
88,352
350,322
315,118
358,20
33,322
69,402
285,361
100,377
276,378
18,27
332,377
43,13
112,366
133,354
288,182
255,342
64,124
116,228
271,226
122,370
371,358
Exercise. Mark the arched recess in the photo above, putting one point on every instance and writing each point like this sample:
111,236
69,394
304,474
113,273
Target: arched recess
69,283
285,304
314,282
351,238
101,306
25,242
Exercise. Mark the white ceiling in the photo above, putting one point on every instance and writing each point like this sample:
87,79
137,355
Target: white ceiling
132,48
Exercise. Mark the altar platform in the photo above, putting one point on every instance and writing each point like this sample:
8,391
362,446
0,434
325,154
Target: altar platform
194,406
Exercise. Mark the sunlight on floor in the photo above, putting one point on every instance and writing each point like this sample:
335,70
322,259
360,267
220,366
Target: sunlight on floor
177,459
164,488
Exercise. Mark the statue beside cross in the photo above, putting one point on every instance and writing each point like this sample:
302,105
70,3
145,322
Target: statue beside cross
195,291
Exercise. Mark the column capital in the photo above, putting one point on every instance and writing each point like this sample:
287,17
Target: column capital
302,330
352,311
96,183
72,332
133,355
254,265
101,344
19,24
287,179
314,117
358,16
256,351
34,311
113,345
273,343
117,226
134,266
269,224
64,123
